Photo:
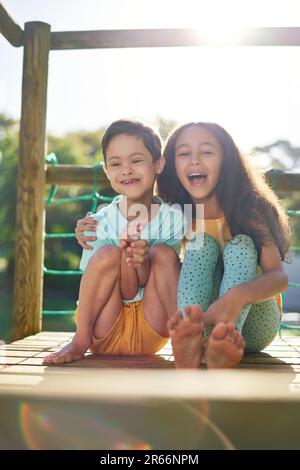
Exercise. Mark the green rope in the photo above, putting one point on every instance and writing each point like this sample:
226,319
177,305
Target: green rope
287,326
51,158
58,312
59,235
293,212
294,284
56,272
84,197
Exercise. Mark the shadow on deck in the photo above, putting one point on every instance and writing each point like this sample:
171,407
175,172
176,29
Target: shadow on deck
144,403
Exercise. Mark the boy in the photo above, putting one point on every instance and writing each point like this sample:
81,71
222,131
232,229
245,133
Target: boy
129,287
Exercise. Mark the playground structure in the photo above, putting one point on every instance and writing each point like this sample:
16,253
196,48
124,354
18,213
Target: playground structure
33,175
102,402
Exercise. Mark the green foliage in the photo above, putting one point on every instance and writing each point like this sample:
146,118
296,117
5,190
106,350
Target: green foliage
8,185
165,127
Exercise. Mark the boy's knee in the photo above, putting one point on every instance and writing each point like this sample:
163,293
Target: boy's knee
163,254
108,255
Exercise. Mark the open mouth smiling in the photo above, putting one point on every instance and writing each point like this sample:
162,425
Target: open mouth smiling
197,178
130,181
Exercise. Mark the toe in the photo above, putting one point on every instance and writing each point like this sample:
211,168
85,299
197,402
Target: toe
231,328
196,313
177,316
186,311
220,331
236,335
49,359
173,322
61,359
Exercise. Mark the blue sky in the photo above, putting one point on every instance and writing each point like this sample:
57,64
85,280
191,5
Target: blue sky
253,92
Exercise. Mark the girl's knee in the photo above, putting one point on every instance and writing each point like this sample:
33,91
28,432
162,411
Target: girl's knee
203,241
106,256
203,249
241,244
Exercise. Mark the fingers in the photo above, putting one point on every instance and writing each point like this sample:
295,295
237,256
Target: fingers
124,244
85,245
137,253
135,261
139,244
83,239
86,224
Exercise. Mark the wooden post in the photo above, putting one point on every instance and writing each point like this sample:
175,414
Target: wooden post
10,29
28,287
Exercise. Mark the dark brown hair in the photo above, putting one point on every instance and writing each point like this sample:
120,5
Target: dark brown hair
149,137
248,203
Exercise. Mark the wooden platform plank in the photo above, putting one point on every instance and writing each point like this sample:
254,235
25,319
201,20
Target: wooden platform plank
30,351
16,353
11,360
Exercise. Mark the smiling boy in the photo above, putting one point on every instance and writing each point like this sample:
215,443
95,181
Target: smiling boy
129,286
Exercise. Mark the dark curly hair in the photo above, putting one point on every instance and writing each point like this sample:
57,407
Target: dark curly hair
248,203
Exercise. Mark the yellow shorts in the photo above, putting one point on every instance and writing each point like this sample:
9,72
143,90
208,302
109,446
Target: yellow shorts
130,335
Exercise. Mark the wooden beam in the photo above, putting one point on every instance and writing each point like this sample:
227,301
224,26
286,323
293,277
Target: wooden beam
72,175
10,29
289,36
31,183
283,181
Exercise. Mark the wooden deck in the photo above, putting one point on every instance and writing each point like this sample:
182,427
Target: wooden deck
144,403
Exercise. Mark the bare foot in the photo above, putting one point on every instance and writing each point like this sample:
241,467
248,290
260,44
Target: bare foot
186,337
225,347
73,351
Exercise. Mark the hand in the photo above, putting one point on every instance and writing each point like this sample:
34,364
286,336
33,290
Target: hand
86,224
225,309
137,253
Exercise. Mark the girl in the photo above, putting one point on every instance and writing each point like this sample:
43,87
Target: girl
236,273
229,283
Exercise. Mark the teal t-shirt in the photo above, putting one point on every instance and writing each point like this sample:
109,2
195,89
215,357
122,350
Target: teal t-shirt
167,227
